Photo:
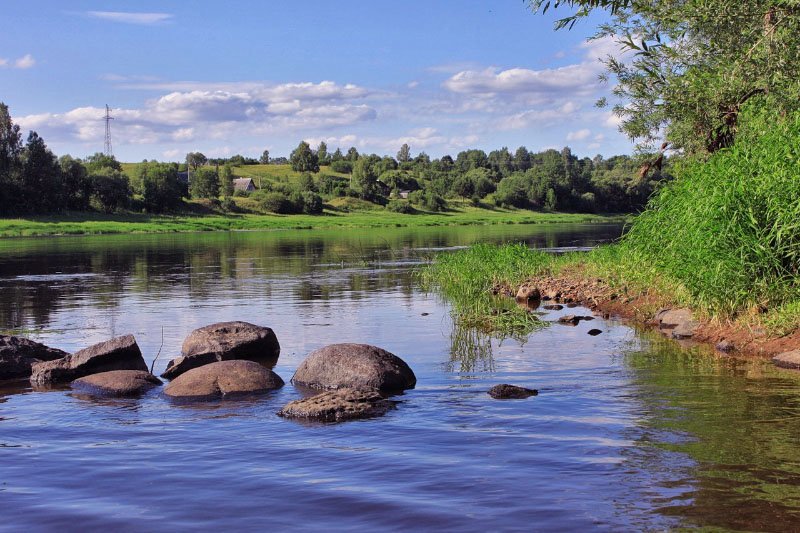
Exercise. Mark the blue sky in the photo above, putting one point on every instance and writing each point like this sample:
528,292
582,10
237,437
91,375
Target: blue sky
245,76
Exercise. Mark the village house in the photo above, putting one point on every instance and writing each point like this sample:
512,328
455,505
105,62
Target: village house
244,184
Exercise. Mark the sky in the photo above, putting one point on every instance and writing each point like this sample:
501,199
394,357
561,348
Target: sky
242,77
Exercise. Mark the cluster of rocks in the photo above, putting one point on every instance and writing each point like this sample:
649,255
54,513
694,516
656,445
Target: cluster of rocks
228,359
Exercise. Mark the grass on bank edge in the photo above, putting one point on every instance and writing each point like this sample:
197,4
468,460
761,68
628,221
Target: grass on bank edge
97,223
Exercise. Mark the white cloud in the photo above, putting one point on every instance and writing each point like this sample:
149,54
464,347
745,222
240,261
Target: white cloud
24,62
172,155
538,117
412,84
580,135
3,62
576,79
131,18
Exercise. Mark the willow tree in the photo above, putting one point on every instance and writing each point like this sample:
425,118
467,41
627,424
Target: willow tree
693,64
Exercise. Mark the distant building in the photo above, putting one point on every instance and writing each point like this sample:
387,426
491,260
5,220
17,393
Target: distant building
244,184
403,194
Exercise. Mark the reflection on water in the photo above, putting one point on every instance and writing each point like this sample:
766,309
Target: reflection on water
629,431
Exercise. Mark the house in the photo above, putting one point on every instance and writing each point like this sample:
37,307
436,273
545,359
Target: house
403,194
244,184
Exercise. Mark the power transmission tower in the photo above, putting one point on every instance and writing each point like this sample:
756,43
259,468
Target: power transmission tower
108,118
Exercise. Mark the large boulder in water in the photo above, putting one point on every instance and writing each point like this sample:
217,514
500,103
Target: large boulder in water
225,341
789,359
355,366
223,379
119,353
338,405
18,354
116,383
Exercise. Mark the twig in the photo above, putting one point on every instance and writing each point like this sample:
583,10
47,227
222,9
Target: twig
153,364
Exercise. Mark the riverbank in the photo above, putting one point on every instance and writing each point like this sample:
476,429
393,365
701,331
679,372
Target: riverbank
96,223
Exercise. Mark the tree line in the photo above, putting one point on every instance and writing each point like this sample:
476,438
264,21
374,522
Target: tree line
33,180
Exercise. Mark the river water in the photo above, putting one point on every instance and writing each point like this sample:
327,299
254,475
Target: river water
629,431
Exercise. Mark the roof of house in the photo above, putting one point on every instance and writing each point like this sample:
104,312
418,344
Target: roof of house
243,184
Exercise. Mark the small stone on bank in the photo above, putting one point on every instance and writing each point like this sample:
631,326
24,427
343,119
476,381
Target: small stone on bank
789,359
595,331
506,392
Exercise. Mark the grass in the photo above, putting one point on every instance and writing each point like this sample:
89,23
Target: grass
722,239
377,217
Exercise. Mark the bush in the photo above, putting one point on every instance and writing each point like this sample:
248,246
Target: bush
342,166
400,206
240,193
312,203
228,204
276,202
110,192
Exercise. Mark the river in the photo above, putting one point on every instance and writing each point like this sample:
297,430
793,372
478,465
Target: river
629,430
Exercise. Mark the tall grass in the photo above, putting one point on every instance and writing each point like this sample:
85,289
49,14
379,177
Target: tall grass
468,278
726,234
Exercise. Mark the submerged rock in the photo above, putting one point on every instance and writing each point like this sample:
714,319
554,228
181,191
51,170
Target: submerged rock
553,307
572,320
117,383
338,405
225,341
223,379
594,331
355,366
789,359
119,353
506,392
725,346
680,321
17,354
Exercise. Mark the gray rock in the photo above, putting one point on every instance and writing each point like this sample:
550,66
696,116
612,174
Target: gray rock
18,354
339,405
506,392
225,341
789,359
119,353
680,321
116,383
223,379
572,320
553,307
354,366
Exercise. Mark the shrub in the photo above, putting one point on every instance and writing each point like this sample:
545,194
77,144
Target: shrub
342,166
276,202
400,206
312,203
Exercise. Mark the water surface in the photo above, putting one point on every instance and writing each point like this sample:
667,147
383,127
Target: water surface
629,431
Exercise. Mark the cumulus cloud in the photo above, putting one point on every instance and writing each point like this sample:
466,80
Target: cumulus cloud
147,19
201,114
580,78
580,135
24,62
540,117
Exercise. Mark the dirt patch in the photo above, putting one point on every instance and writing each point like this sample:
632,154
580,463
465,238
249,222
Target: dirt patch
607,301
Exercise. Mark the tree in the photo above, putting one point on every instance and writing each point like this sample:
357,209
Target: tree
195,160
77,187
204,183
522,159
264,159
695,64
404,155
10,144
352,154
365,178
159,186
98,161
40,177
337,155
110,190
322,153
303,159
226,180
